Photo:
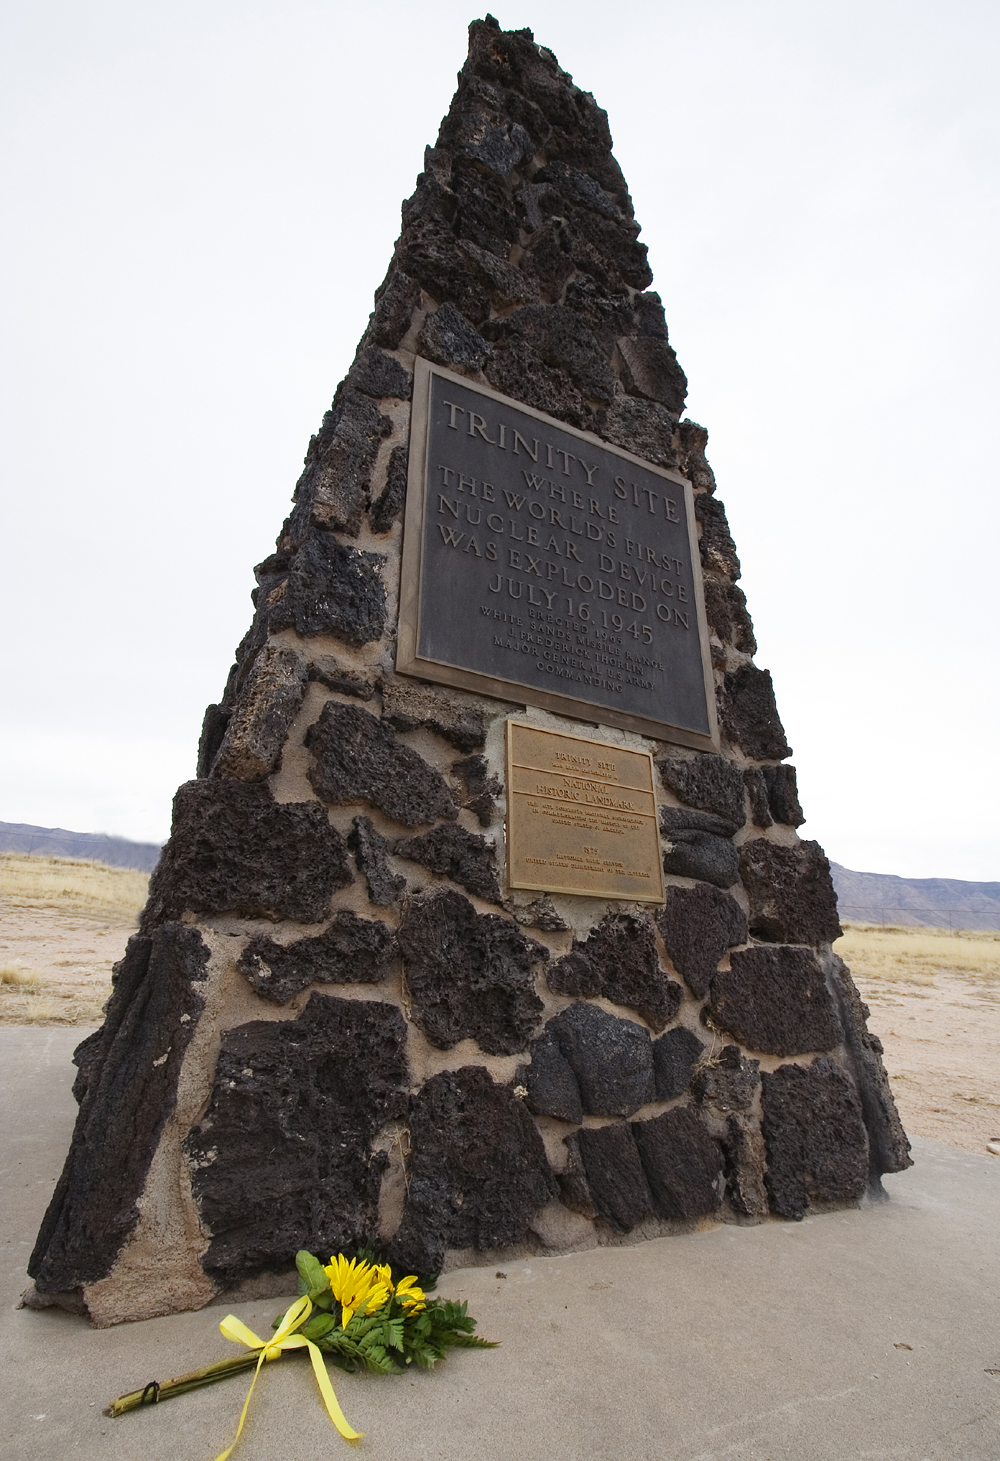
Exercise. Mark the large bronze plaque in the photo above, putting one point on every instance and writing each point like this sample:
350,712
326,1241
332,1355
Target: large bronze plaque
546,566
581,816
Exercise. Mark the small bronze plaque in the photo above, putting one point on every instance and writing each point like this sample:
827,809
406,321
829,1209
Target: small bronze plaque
546,566
581,816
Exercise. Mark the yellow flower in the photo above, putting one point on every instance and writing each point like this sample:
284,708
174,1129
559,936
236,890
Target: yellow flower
356,1285
409,1294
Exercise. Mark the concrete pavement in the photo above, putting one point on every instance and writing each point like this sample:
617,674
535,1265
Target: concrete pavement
853,1336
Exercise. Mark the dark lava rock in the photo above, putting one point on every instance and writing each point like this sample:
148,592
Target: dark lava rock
731,1084
86,1058
377,374
395,301
481,787
282,1158
683,1165
612,1059
450,850
709,783
505,283
428,252
262,717
560,339
817,1147
358,758
341,458
760,805
371,855
727,613
469,974
541,913
718,551
643,427
699,846
749,715
615,1178
675,1056
234,849
330,589
213,730
129,1090
573,1190
353,950
792,899
619,960
889,1149
327,669
775,1000
389,503
449,339
746,1163
651,369
698,925
477,1173
552,1087
408,703
783,795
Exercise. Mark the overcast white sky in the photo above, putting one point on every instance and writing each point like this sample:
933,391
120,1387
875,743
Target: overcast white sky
200,200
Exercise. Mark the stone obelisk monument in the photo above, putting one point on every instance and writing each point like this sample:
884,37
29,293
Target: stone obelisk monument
484,928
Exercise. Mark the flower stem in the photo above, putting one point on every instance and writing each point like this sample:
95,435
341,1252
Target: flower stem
207,1375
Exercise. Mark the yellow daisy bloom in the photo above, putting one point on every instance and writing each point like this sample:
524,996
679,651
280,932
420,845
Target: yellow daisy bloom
408,1292
355,1285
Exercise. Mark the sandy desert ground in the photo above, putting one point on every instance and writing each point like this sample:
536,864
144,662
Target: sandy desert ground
934,995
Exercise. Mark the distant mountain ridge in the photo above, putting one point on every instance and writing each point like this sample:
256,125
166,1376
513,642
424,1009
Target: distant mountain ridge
918,902
57,842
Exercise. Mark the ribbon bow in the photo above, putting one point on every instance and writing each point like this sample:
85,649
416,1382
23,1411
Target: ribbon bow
270,1349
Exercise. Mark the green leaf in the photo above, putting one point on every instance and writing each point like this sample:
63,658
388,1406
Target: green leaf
313,1280
318,1326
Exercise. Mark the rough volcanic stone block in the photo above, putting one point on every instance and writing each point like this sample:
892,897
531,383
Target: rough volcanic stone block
616,1181
651,370
395,301
760,805
552,1087
708,783
506,284
459,719
260,722
282,1158
729,1085
683,1165
619,960
377,374
675,1056
578,187
331,589
371,853
336,480
718,551
447,338
477,1172
693,440
352,950
699,846
792,899
389,503
465,857
726,611
86,1058
644,427
749,714
358,758
234,849
612,1059
131,1069
889,1149
817,1146
327,669
541,913
775,999
560,340
746,1163
698,925
428,252
213,731
469,974
783,795
573,1190
481,787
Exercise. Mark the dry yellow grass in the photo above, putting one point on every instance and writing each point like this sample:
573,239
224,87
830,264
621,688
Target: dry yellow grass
914,956
72,885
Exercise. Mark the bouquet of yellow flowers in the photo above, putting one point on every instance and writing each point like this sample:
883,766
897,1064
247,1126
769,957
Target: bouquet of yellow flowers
349,1309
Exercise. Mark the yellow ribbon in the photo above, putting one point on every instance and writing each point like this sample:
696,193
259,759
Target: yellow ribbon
270,1349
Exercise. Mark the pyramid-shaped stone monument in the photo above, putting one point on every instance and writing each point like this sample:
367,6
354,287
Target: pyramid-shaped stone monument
485,928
